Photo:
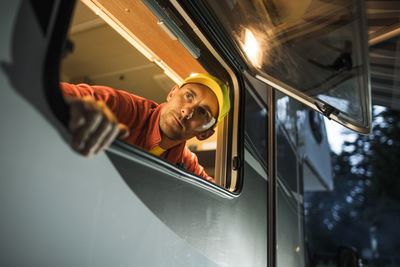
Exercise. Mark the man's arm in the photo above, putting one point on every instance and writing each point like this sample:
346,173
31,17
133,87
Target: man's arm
191,162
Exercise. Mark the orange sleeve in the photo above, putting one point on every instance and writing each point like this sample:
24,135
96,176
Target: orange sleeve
106,94
191,162
125,106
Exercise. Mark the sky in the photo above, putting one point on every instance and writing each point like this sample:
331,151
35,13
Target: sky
337,134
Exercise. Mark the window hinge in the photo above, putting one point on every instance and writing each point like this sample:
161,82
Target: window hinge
327,110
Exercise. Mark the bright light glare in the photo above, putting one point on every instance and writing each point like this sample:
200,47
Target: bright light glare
252,48
337,135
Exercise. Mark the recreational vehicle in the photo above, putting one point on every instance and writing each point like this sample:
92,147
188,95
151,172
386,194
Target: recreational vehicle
288,64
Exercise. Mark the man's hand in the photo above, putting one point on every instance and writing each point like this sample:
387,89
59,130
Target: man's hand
93,125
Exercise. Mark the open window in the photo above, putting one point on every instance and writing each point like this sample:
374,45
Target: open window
146,49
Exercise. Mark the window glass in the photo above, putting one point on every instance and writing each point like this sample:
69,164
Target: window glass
287,109
256,124
313,50
127,49
289,194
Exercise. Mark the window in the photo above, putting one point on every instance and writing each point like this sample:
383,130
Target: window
131,47
314,51
256,114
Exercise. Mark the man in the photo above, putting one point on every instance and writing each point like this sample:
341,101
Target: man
99,114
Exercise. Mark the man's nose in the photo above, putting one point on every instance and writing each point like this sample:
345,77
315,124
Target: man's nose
187,113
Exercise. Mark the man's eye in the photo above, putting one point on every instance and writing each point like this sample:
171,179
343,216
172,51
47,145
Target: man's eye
189,96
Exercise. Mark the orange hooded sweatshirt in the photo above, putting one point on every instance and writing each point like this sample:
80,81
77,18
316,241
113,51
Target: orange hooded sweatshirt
142,118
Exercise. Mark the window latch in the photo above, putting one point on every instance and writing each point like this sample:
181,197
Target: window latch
236,163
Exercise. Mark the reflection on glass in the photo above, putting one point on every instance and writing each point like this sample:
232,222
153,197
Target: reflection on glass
256,136
252,48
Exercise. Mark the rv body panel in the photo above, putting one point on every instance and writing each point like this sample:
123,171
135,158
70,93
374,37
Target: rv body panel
122,207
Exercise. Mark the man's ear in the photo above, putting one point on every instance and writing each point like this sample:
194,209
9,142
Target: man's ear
172,92
204,135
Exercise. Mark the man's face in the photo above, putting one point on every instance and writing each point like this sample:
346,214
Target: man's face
187,110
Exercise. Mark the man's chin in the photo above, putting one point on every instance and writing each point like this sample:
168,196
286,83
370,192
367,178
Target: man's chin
174,135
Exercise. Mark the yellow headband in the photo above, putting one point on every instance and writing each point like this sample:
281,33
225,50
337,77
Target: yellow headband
220,90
